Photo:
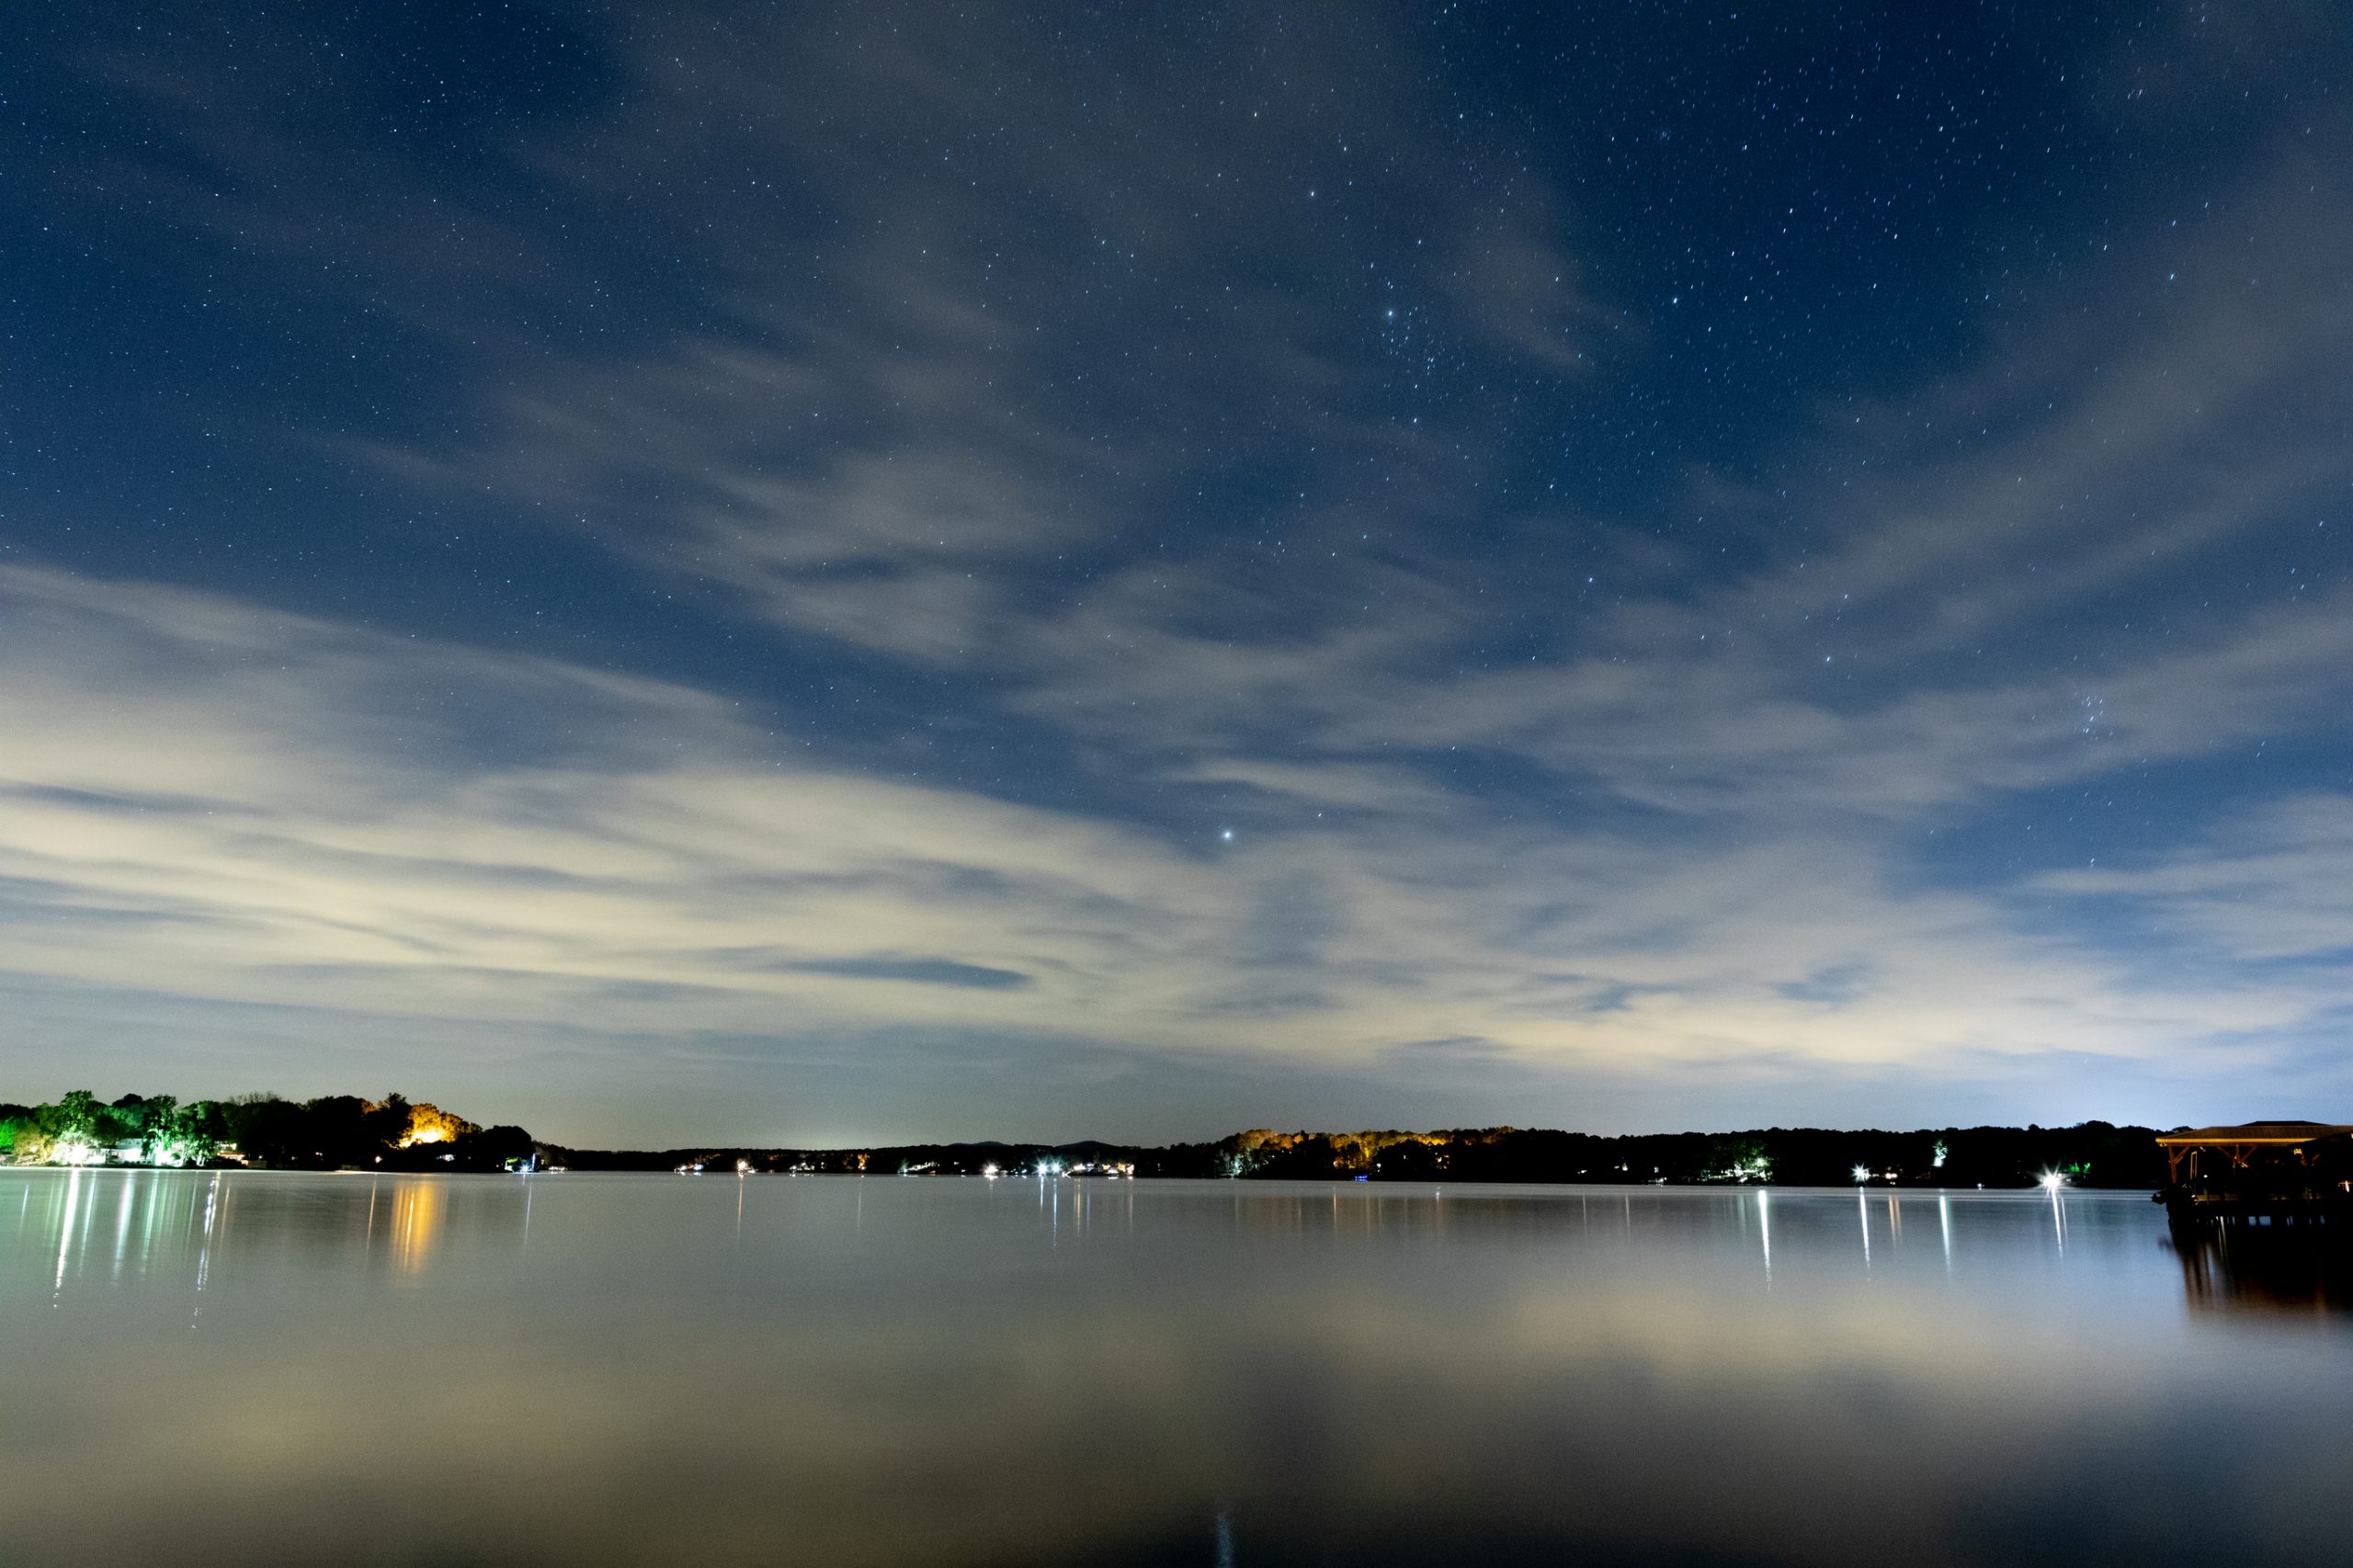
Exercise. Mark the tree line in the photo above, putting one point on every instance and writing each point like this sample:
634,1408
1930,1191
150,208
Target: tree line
340,1131
2090,1153
333,1131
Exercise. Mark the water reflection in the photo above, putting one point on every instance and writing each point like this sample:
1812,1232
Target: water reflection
120,1226
589,1371
65,1232
204,1248
416,1216
2287,1270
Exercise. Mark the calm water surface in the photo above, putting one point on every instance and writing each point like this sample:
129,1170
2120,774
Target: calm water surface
587,1369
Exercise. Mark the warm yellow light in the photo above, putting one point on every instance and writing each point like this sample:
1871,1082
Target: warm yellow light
431,1124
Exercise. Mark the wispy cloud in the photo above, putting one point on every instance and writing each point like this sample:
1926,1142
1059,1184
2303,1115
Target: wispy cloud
377,827
2274,886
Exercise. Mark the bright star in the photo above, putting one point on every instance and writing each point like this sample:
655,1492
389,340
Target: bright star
1226,833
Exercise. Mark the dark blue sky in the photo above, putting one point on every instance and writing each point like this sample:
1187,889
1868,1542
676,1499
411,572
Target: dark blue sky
804,573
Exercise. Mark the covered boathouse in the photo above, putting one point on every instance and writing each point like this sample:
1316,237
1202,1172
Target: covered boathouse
2262,1173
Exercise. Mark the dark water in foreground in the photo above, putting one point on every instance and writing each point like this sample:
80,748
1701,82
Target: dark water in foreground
588,1370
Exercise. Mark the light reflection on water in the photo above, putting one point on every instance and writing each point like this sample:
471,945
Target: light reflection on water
261,1368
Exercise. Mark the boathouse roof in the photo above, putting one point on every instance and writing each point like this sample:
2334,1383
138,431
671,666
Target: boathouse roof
2289,1134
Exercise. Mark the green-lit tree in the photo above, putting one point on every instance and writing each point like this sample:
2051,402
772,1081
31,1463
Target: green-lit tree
159,1120
77,1120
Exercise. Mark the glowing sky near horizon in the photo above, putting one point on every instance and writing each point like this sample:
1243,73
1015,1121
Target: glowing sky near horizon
900,571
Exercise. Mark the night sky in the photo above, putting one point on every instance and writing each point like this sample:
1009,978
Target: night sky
811,574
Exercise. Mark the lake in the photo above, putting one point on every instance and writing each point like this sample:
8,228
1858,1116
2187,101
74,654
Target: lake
262,1368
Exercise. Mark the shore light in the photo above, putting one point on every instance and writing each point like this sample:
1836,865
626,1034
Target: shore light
1862,1173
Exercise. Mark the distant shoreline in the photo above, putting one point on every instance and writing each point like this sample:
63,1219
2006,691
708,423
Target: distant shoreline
346,1132
2093,1154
